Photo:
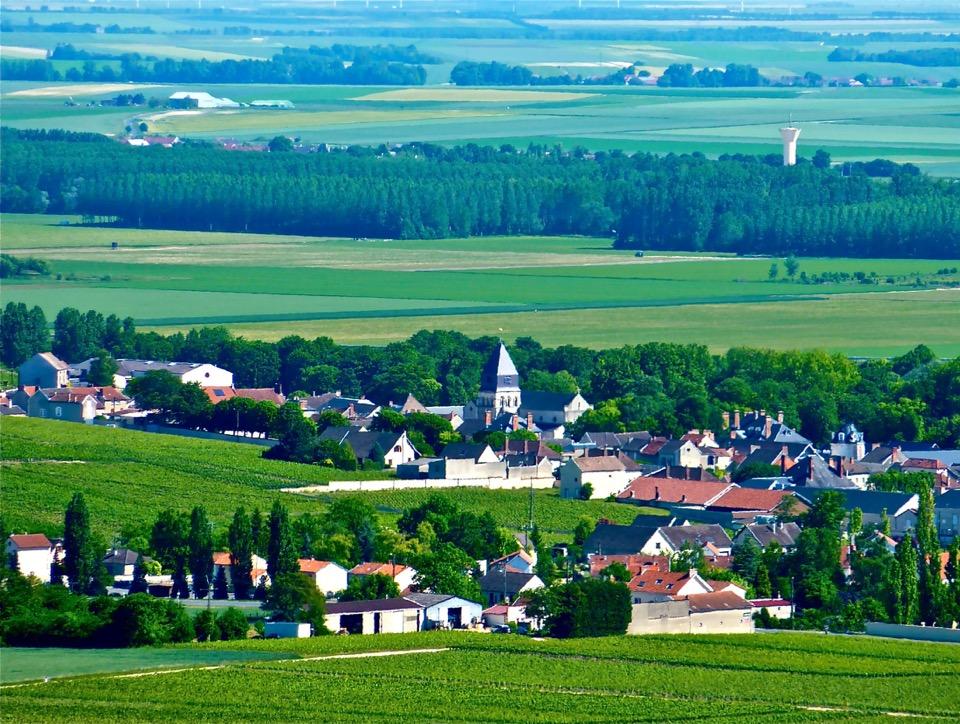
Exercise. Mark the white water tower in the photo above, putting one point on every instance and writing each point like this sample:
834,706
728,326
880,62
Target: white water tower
789,134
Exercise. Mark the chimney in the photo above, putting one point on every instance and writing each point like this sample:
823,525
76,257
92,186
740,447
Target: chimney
896,456
683,498
736,419
810,468
783,460
707,433
840,467
488,418
733,434
529,420
767,426
515,422
780,416
686,473
874,445
763,413
726,420
656,493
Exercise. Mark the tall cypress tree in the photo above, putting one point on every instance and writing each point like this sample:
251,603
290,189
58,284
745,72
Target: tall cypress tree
240,541
79,561
281,550
200,557
908,608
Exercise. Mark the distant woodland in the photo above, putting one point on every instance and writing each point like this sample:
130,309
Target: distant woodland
916,56
337,64
743,204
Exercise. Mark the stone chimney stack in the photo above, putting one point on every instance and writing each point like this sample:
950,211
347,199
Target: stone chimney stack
767,426
488,418
736,419
515,422
780,416
656,493
529,420
726,420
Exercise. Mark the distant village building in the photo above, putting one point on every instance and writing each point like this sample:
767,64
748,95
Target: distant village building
199,99
31,554
203,374
44,369
848,443
394,447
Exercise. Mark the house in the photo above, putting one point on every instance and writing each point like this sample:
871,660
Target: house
813,472
44,369
358,410
394,447
12,411
519,560
651,585
550,410
634,563
120,561
683,453
503,584
442,611
205,375
402,575
328,577
607,475
946,510
702,613
464,461
763,534
848,443
776,607
720,612
758,426
65,403
647,490
223,560
668,541
883,456
532,452
32,554
409,406
899,508
623,540
502,614
389,615
451,413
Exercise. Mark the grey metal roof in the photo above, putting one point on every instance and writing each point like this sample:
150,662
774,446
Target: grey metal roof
382,604
698,535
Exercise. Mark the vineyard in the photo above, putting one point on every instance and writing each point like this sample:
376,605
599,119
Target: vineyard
473,677
128,477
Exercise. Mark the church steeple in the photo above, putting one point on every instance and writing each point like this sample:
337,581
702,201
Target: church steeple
499,384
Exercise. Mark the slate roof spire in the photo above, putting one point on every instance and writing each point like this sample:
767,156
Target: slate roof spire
499,373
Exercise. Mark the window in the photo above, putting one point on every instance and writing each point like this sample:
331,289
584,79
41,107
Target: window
396,448
58,411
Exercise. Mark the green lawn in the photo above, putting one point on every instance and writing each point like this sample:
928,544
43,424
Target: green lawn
477,677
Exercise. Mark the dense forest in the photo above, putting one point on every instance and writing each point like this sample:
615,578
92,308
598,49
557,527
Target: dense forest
915,56
742,204
339,64
664,388
734,75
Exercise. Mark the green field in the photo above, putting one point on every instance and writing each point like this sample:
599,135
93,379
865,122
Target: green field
128,477
476,677
560,290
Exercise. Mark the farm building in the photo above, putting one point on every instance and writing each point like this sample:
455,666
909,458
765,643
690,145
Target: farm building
328,577
32,554
199,99
205,375
44,369
285,105
388,615
444,611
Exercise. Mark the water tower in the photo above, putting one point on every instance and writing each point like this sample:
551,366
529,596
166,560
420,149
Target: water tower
790,134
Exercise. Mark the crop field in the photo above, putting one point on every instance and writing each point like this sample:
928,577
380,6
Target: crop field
127,477
474,677
556,289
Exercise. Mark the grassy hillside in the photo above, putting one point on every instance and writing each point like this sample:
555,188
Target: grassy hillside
474,677
127,477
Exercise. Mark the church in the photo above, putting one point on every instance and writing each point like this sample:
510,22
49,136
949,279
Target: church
502,405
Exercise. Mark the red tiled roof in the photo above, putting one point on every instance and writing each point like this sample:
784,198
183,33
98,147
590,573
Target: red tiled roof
762,602
309,565
633,563
31,541
750,499
222,558
385,569
665,582
261,394
672,490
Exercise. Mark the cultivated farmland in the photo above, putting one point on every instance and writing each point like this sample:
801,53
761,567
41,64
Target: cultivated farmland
558,290
787,677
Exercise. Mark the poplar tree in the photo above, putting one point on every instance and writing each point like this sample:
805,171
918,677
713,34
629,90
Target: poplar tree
200,557
80,558
240,541
908,607
281,550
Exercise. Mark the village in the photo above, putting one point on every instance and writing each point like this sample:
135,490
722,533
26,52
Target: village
722,497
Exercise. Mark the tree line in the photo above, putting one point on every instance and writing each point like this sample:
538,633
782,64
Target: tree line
738,203
469,73
374,65
914,56
665,388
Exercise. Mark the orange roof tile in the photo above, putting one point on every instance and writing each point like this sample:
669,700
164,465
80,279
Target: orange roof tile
31,541
673,490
